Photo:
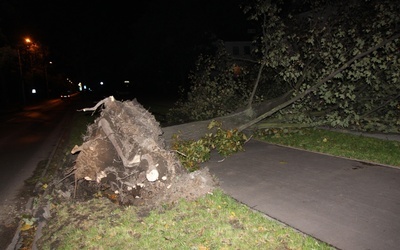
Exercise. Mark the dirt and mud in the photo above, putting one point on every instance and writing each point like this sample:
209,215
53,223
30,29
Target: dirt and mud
124,154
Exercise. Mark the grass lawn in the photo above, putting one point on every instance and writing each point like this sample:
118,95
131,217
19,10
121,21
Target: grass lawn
335,143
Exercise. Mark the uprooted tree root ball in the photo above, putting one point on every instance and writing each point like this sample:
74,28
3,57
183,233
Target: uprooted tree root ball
125,156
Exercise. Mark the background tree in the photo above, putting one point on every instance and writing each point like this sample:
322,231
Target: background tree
216,89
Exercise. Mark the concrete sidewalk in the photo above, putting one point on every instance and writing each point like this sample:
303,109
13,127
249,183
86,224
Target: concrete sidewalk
346,203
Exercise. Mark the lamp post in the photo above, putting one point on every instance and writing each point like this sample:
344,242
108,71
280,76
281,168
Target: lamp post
21,77
37,60
21,74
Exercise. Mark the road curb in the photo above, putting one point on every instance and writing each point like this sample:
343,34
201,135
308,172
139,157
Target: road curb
14,245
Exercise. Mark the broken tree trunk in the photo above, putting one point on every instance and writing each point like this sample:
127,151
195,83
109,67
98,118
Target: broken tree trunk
124,151
196,130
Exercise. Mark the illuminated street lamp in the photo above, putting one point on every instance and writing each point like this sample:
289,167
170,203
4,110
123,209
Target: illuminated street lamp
27,41
37,59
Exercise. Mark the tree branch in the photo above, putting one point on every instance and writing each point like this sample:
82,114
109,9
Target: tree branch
320,82
108,99
379,107
260,69
256,85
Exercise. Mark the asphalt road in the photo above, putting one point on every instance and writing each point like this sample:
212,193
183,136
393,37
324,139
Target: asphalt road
26,138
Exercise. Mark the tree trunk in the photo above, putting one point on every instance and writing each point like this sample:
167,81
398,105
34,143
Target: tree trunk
195,130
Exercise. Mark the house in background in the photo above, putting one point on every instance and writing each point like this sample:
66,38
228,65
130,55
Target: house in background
239,49
240,45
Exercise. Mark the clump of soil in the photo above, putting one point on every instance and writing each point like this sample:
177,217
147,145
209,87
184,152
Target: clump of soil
125,158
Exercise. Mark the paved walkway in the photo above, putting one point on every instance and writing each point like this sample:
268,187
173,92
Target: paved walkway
349,204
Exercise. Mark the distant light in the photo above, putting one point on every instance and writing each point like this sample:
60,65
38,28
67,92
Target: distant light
126,81
33,91
101,83
84,86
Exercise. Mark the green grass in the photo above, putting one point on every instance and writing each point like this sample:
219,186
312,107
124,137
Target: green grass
212,222
338,144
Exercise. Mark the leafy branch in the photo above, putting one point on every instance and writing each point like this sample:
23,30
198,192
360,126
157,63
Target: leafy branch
318,84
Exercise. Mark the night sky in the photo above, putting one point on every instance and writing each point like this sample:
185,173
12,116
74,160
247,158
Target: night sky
149,41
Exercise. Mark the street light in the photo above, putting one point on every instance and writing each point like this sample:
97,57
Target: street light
21,75
37,59
27,41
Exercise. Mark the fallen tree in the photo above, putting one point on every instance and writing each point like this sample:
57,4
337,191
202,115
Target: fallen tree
123,152
318,65
244,119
